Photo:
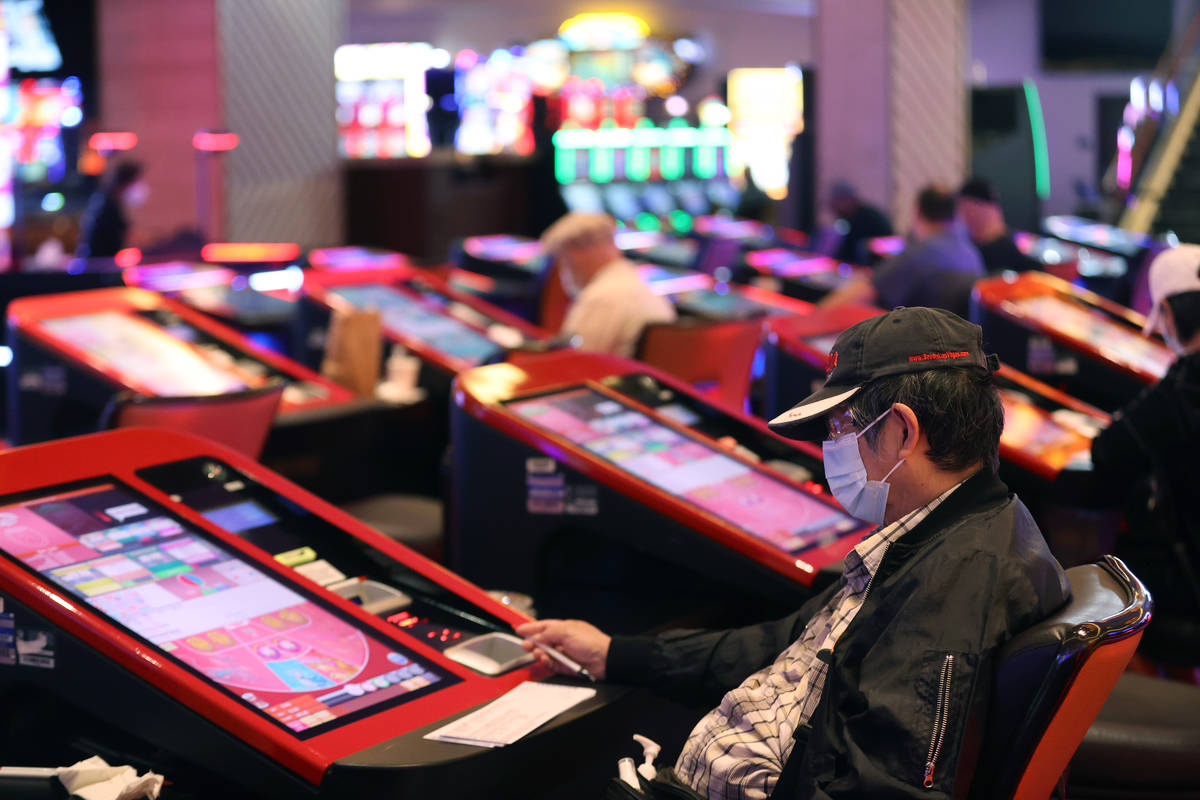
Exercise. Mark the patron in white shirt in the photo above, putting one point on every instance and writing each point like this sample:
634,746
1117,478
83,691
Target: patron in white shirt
610,303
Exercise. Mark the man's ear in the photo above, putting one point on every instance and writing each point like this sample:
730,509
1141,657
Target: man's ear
910,430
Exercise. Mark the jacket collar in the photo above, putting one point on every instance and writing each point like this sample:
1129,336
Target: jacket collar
980,490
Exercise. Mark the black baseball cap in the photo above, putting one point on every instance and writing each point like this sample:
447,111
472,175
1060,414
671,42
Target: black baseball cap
900,341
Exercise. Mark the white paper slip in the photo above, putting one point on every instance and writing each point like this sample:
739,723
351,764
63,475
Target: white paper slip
512,715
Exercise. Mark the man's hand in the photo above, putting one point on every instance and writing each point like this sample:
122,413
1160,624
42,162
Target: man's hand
579,640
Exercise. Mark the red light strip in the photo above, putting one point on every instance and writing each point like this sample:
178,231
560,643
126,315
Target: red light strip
249,252
112,141
213,142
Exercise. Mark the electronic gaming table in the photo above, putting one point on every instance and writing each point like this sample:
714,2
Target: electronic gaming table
1074,339
220,614
597,485
73,352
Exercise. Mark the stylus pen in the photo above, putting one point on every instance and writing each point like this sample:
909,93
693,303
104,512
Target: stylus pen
39,773
565,660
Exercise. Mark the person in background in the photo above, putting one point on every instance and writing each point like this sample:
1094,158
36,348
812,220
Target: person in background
610,303
842,698
979,208
857,221
1147,456
937,269
105,224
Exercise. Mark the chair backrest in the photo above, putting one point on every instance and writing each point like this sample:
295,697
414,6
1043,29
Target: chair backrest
1051,680
717,357
240,420
553,305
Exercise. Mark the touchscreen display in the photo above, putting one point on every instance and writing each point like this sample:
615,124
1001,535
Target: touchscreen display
408,316
1032,430
269,646
691,197
621,201
584,197
338,258
503,247
723,305
1115,341
145,354
658,200
768,509
727,228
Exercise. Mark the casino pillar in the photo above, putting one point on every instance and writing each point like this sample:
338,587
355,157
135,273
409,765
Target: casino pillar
261,69
892,101
283,182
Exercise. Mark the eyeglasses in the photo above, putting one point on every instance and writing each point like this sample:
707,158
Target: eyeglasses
840,423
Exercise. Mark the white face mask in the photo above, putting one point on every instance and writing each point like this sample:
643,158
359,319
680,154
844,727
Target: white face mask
847,476
568,282
137,194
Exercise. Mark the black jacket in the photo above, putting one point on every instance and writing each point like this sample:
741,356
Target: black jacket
975,572
1146,460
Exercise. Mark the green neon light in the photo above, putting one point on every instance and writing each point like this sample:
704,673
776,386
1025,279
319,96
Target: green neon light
601,165
1041,153
564,164
681,221
637,158
645,221
704,162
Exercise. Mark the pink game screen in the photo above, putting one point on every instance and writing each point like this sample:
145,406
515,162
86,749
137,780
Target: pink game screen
261,640
769,509
1029,428
1117,342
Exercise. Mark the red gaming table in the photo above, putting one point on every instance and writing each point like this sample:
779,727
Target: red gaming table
429,312
807,276
72,352
171,618
1076,340
677,503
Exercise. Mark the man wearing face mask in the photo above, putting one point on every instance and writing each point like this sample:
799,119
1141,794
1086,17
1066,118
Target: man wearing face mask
1147,457
870,689
105,223
610,303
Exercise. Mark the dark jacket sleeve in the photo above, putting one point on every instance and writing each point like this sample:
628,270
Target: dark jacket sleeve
874,732
1151,424
701,664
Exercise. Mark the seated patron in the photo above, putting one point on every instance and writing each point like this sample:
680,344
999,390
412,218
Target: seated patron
980,210
937,268
1147,457
610,303
842,698
858,222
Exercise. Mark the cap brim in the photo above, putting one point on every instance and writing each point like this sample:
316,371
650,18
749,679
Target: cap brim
802,421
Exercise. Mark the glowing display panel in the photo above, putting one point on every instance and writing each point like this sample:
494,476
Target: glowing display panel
270,647
770,510
1116,342
146,355
723,305
408,316
1034,431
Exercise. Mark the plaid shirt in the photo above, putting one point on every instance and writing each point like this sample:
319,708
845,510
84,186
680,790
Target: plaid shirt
737,751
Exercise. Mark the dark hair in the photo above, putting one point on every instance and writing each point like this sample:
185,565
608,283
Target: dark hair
122,176
958,408
1185,308
979,189
935,204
